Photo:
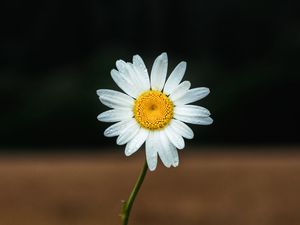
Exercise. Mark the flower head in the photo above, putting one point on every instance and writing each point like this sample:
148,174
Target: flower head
153,110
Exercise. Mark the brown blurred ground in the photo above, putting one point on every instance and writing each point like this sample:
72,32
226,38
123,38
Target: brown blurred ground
210,188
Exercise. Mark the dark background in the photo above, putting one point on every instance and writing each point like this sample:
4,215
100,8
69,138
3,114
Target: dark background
56,54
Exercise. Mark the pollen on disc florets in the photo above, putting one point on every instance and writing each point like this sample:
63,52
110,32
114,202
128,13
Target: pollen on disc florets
153,110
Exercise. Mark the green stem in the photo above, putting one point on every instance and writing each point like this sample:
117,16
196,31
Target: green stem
127,205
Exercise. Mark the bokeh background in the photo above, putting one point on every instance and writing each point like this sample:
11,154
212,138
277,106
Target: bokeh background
56,166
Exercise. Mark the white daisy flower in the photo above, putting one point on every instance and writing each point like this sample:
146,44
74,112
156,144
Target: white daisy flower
152,111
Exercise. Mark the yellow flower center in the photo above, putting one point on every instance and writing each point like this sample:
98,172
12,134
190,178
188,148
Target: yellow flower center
153,110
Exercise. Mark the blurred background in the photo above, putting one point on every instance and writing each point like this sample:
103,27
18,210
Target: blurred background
54,55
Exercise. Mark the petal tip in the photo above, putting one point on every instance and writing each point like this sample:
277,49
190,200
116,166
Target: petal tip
175,164
135,57
164,56
98,92
120,64
207,121
181,147
105,134
151,168
183,64
127,153
99,117
207,90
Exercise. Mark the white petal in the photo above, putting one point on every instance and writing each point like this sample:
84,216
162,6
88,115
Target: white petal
164,150
194,119
175,138
175,156
175,78
124,83
115,115
182,129
159,72
133,145
127,71
141,70
174,153
151,151
135,79
180,90
170,155
191,110
128,132
121,64
192,95
115,99
115,129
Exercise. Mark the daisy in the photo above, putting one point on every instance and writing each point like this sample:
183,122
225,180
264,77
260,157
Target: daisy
153,110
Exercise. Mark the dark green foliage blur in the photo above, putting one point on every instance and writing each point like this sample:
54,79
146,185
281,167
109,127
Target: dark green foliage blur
56,54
